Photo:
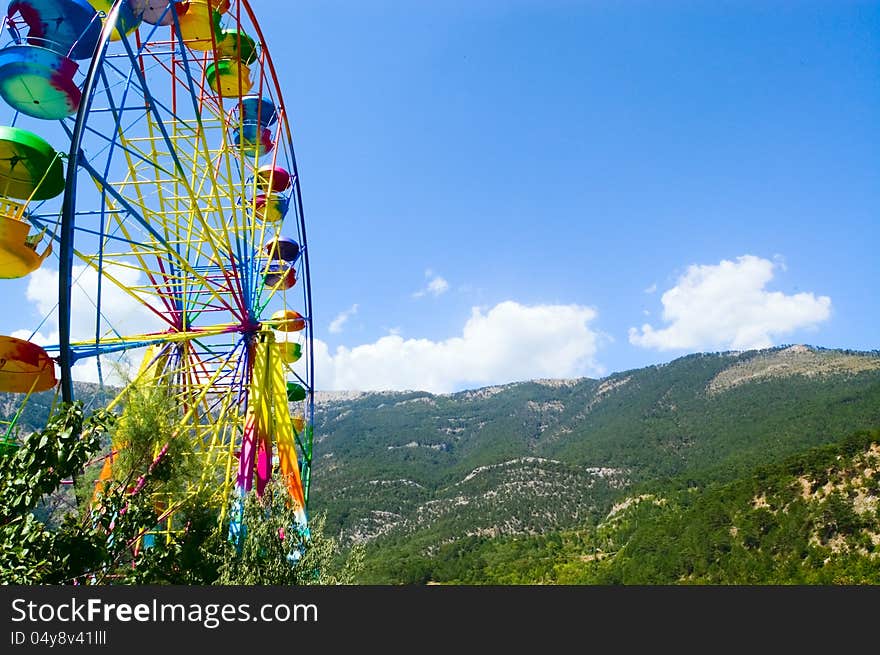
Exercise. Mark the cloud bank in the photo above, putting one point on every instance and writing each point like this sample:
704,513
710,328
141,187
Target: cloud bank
505,343
128,315
726,306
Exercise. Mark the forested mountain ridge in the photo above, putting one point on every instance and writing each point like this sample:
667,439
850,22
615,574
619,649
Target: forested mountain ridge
478,474
413,472
811,519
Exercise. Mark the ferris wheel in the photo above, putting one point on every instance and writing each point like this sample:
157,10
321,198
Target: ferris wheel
150,201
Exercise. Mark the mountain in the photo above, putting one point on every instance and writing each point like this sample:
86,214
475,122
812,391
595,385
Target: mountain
812,519
35,412
526,482
411,473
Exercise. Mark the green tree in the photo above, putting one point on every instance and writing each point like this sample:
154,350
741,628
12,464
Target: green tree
100,544
29,551
272,550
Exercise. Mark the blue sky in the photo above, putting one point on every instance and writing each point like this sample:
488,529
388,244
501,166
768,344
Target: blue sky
559,166
580,153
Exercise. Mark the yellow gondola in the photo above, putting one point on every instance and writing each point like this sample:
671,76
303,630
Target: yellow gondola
18,249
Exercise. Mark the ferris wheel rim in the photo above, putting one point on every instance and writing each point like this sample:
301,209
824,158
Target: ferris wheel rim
67,247
68,215
298,192
68,206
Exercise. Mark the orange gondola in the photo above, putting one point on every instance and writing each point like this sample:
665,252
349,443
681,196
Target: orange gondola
25,367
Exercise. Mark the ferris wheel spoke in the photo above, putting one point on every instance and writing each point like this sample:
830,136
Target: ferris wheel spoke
106,186
167,237
113,141
160,244
178,166
50,224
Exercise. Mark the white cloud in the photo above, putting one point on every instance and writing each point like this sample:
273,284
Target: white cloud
128,316
508,342
652,288
338,323
116,369
726,306
436,285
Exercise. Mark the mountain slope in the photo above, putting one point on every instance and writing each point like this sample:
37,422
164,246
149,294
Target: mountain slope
813,519
401,468
417,475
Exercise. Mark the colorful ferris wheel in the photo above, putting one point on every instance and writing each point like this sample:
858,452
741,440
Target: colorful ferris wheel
150,202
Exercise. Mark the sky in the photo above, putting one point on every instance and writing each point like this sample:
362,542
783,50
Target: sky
504,190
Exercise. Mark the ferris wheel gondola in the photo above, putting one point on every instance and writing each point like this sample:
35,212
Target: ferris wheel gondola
148,153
